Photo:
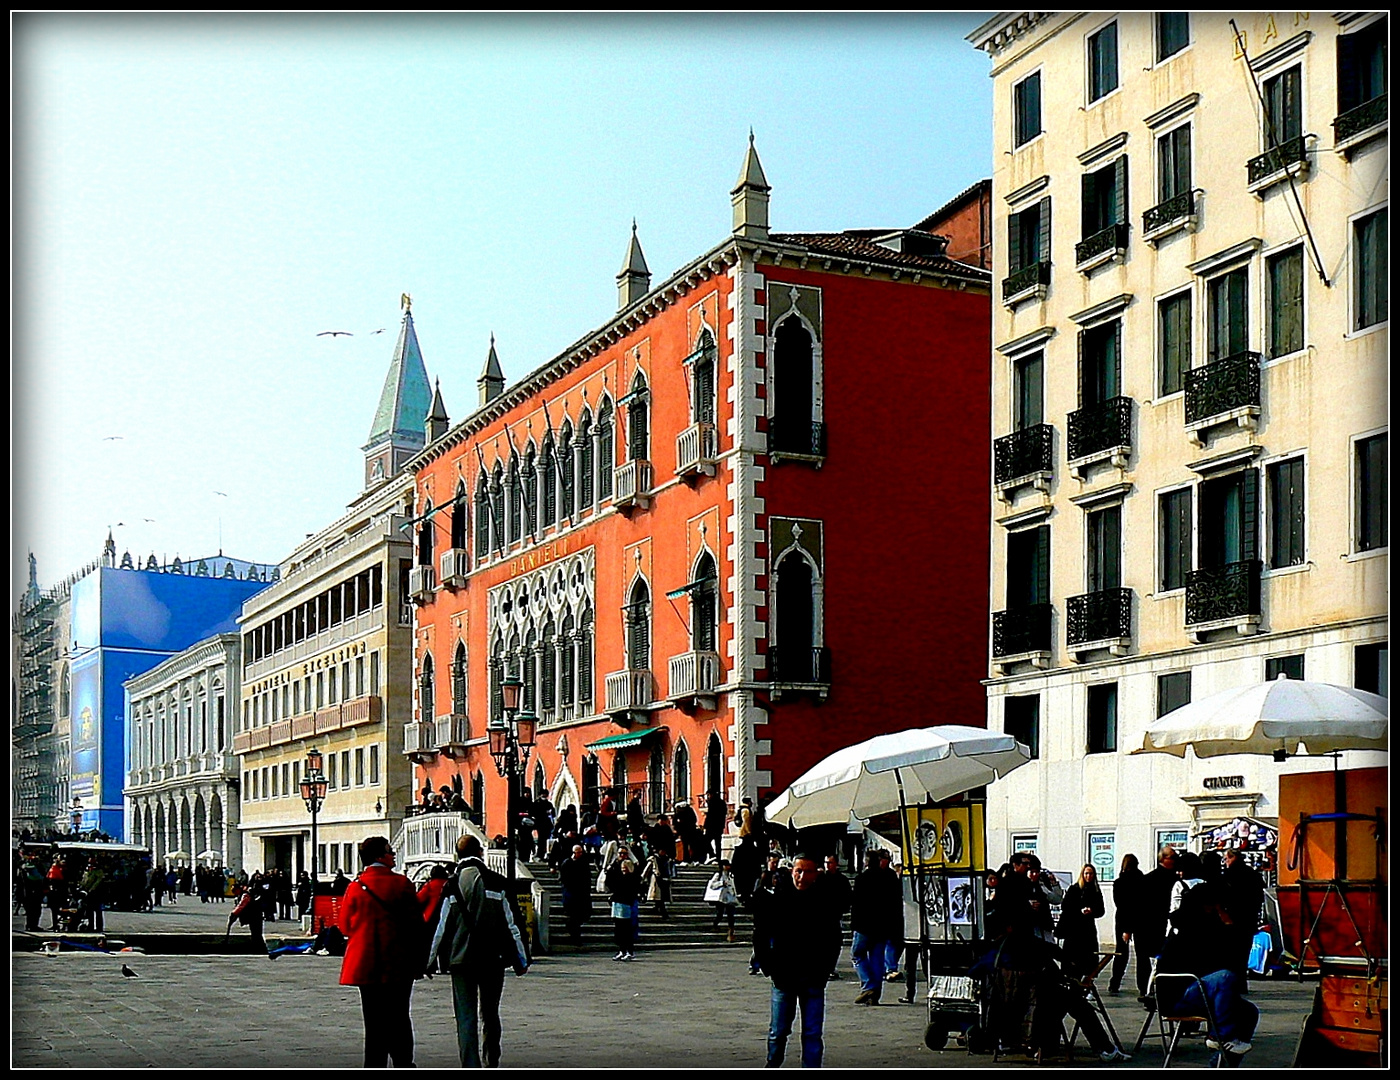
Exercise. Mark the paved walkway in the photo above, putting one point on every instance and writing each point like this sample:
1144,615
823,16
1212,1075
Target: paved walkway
666,1009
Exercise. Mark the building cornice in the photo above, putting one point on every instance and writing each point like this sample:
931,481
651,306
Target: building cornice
187,662
1222,260
1283,51
1026,342
1105,310
1026,191
1004,28
1101,150
1221,462
1177,108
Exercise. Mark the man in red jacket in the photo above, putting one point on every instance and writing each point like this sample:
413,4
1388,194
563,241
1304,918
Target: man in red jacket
381,919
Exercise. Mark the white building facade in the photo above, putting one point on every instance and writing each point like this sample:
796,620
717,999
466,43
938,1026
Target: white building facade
1189,403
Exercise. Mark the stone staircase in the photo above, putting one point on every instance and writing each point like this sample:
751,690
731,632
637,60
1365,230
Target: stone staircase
690,922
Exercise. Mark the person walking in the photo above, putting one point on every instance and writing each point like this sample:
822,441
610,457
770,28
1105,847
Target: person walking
1151,929
1077,929
688,825
715,810
576,889
58,889
834,880
476,940
306,891
383,926
1127,910
721,895
623,883
656,879
877,914
797,950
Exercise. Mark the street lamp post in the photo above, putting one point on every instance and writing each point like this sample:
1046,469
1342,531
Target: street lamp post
511,739
313,793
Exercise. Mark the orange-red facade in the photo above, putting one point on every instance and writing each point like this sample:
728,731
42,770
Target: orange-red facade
805,565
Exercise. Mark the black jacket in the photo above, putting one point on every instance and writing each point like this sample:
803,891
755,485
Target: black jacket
877,905
1127,901
798,940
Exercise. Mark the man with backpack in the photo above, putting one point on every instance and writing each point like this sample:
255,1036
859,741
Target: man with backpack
477,939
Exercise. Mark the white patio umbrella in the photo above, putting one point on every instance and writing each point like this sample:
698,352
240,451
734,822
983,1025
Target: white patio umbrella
214,856
1281,715
177,854
904,768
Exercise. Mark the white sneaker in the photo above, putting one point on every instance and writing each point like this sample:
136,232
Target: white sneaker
1236,1046
1114,1055
629,956
620,956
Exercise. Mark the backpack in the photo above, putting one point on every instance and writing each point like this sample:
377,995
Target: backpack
469,939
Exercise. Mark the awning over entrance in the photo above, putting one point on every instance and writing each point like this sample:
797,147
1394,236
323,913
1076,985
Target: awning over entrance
625,740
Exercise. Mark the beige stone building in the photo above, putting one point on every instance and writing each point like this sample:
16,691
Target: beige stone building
1189,401
328,658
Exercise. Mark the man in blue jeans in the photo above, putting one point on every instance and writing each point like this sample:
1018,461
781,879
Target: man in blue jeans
877,918
798,941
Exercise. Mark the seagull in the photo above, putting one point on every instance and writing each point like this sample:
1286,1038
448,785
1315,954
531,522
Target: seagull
152,520
128,973
224,494
113,438
335,333
379,331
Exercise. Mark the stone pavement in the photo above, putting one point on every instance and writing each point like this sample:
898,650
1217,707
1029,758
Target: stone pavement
666,1009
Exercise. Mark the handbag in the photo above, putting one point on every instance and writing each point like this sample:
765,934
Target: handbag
416,940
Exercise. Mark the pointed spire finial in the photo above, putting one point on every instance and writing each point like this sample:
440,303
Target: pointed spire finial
634,279
492,382
750,196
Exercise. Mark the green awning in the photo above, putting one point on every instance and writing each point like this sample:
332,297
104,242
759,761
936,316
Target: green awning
623,741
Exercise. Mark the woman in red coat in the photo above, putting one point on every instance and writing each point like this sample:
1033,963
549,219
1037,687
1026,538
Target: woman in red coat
381,919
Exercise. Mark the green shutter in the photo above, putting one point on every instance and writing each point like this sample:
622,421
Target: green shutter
1249,515
1043,243
1120,190
1013,241
1042,565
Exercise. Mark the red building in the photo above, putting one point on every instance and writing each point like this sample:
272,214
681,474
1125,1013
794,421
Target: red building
737,527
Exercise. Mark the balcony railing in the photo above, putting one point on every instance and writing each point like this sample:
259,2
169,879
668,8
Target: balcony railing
420,739
452,732
1021,630
1278,158
798,440
1222,387
696,449
1178,208
421,582
626,690
1030,450
694,673
812,666
281,732
1099,616
1099,427
1112,239
1035,275
1362,118
632,483
1223,592
242,742
303,725
454,566
361,710
328,719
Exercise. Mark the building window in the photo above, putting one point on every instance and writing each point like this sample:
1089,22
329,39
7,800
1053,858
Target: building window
532,488
791,425
1361,66
1022,721
607,450
1371,269
349,854
459,519
513,500
1174,163
498,510
1173,691
1174,339
1373,668
794,638
359,766
426,697
459,680
703,410
549,492
1229,523
1028,567
1104,198
1283,107
374,673
1104,528
1103,62
1291,666
638,623
1026,108
1285,273
1103,718
638,422
1173,33
330,771
1029,378
680,774
566,471
702,606
1227,329
483,519
585,464
345,768
1372,493
1099,363
1286,532
1029,236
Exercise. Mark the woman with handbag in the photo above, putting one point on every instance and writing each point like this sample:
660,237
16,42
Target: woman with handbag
384,953
721,895
624,885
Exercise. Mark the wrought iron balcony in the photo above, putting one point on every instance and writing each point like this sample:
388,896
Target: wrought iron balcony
421,582
797,440
1222,387
1178,208
1362,118
1034,276
1021,630
1112,239
696,449
420,741
1103,426
694,674
1099,616
454,566
1223,592
632,484
624,691
810,666
1277,159
1022,453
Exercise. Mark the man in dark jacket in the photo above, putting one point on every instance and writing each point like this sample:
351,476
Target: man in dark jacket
576,887
477,939
1151,928
877,917
1244,896
797,950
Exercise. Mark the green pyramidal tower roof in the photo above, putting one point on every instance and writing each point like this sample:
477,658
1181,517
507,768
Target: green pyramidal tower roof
407,397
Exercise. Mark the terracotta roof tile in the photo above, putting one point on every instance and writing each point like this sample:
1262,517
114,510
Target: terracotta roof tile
853,245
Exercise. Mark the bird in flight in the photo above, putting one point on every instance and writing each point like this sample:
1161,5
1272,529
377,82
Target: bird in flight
113,438
335,333
223,493
149,519
379,331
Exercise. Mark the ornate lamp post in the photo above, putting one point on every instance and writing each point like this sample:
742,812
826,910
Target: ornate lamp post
511,739
313,793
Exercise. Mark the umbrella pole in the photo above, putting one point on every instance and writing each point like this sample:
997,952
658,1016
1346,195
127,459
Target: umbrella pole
916,879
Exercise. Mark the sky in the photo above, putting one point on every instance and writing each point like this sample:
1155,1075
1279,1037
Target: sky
196,198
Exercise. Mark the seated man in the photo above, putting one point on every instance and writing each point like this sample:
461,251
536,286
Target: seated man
1200,944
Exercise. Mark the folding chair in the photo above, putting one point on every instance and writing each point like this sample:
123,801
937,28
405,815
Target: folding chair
1087,984
1170,986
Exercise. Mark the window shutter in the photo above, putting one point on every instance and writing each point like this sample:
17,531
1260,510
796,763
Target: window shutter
1042,565
1120,190
1296,504
1080,380
1086,206
1249,515
1112,542
1013,241
585,666
1043,247
1113,371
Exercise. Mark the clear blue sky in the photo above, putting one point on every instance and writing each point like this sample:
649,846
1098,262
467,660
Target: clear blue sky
197,197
